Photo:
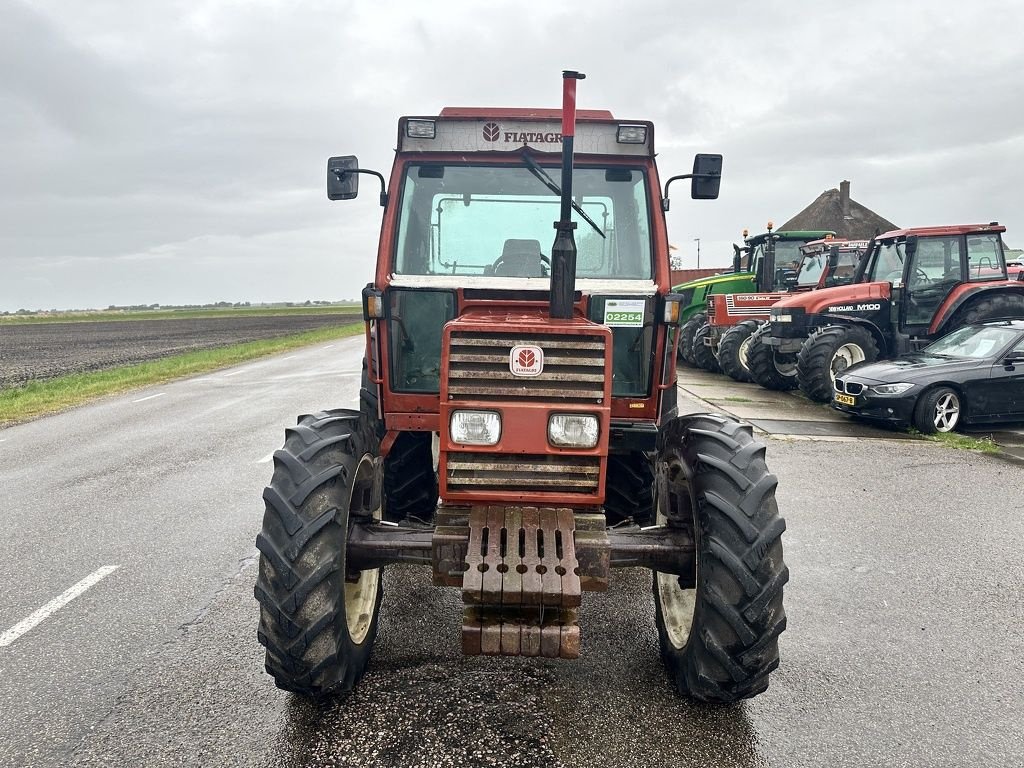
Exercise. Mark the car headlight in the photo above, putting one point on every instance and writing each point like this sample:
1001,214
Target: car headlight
889,390
475,427
573,430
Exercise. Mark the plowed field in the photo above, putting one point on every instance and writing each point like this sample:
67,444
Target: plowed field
46,350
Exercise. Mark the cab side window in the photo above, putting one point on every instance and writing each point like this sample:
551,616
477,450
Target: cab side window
985,257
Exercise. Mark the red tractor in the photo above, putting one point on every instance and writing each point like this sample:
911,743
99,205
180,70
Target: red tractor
732,318
912,286
538,383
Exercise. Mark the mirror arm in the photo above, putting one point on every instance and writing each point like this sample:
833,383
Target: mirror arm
340,173
664,197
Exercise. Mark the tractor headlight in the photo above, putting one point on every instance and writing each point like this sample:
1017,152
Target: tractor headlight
890,390
573,430
475,427
782,318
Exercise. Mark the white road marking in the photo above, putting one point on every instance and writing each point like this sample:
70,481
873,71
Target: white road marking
149,397
3,439
329,346
55,605
266,458
234,373
290,357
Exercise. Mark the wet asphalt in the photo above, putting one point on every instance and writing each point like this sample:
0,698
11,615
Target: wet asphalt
904,645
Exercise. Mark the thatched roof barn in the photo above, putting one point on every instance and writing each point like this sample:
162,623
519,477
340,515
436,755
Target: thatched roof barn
835,210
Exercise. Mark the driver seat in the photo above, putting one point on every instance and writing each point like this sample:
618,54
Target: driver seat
519,258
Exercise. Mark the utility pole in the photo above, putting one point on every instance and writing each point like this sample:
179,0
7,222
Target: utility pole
697,240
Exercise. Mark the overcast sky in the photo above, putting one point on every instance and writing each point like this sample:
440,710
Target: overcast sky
174,152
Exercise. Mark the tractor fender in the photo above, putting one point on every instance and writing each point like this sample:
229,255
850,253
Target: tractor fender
872,328
965,293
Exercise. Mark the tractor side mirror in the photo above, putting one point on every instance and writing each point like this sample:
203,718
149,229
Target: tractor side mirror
833,258
911,246
342,177
707,177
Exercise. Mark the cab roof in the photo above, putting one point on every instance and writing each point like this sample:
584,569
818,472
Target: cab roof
520,113
953,229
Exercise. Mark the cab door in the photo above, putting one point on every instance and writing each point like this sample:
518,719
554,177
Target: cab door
934,267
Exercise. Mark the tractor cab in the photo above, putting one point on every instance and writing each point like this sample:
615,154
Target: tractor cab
827,262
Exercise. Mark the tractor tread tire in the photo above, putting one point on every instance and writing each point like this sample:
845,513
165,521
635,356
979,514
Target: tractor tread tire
629,489
703,355
686,332
729,350
300,585
410,482
1000,306
814,363
732,645
761,359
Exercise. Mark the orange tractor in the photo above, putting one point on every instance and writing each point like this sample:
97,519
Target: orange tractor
518,432
732,318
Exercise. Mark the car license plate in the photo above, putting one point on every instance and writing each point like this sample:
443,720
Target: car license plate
845,399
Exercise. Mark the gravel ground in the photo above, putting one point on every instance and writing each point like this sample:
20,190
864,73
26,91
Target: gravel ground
46,350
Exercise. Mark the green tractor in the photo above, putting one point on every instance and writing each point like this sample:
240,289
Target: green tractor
762,264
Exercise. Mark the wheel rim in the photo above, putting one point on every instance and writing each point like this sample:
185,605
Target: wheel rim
743,352
361,594
947,412
785,366
676,603
845,356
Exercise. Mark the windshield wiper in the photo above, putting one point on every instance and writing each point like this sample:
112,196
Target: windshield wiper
548,182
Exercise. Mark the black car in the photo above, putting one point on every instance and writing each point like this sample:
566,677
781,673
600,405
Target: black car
974,374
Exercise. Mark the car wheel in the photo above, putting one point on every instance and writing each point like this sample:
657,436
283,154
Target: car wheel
938,410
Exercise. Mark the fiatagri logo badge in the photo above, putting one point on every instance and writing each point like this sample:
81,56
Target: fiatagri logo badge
526,361
492,132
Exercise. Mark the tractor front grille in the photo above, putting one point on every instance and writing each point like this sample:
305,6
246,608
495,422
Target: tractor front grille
526,473
478,368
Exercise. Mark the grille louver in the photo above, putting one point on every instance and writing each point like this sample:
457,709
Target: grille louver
479,368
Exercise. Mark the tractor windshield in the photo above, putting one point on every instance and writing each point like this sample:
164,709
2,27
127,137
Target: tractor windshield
811,268
496,221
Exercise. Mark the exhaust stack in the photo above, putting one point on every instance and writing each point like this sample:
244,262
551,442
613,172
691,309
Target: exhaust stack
563,251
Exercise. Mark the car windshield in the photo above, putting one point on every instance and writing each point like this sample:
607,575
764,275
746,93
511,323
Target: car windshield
973,342
496,221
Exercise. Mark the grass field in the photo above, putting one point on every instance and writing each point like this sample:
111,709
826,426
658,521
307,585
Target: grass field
87,316
40,398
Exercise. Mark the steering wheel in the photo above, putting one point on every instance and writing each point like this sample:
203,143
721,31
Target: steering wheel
545,265
920,273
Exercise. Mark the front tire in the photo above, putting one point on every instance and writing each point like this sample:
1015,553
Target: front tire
719,637
318,622
938,410
703,354
770,370
734,350
828,352
686,333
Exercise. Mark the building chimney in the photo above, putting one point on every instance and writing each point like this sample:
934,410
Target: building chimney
844,199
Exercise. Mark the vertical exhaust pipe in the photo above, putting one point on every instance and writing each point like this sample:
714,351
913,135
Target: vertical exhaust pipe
563,251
